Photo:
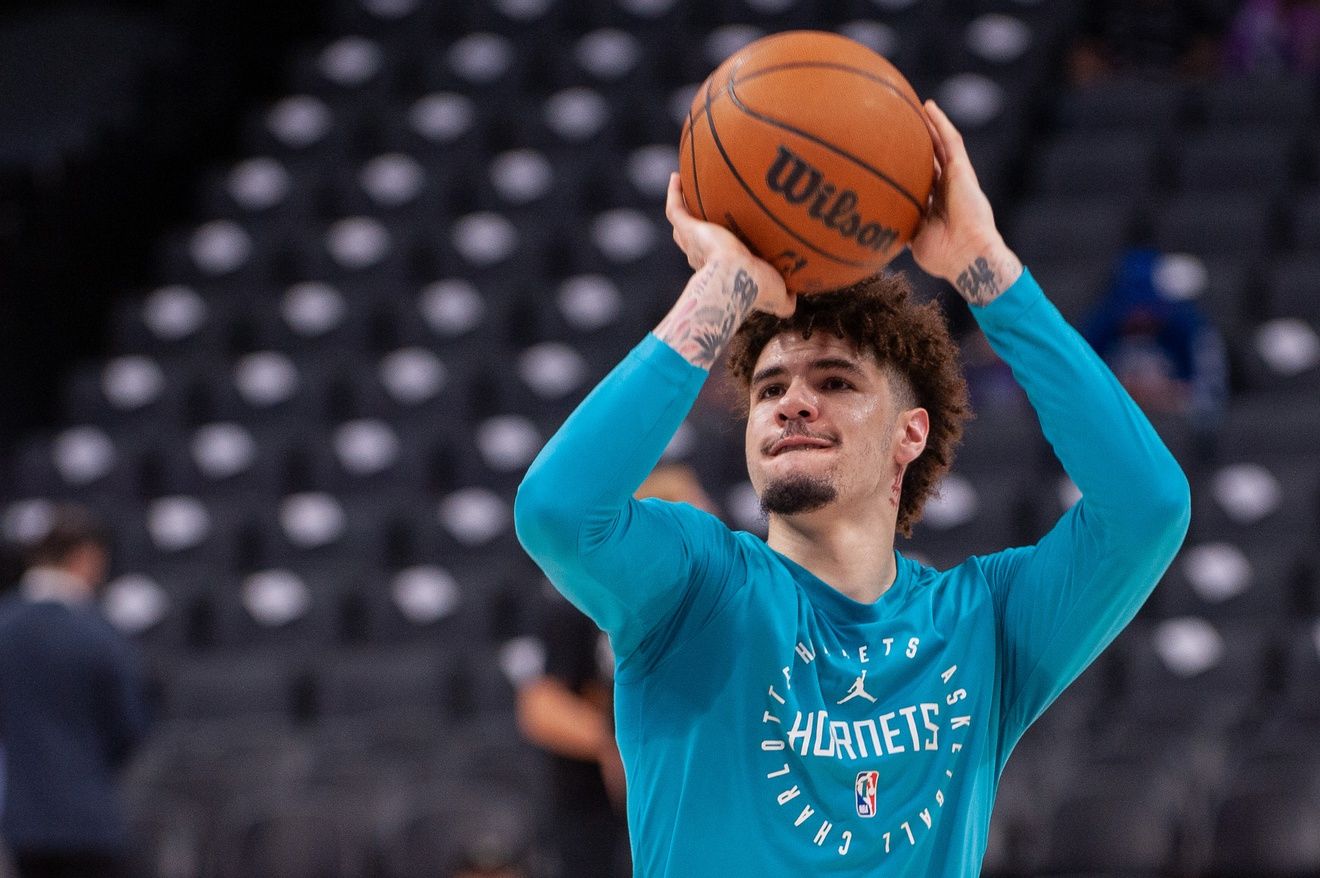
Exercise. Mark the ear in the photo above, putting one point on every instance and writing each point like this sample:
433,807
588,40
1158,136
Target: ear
910,440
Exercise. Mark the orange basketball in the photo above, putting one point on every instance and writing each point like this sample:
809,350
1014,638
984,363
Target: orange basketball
813,150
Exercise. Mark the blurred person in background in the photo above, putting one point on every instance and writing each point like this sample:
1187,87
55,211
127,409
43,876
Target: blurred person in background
1146,38
1168,355
568,711
72,708
1274,37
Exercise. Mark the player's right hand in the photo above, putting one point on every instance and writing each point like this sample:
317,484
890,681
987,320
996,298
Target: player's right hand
704,242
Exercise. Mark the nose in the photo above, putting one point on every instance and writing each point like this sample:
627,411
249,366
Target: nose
797,403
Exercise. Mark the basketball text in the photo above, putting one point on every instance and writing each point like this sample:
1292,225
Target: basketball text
802,184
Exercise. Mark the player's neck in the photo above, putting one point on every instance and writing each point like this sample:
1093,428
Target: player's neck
854,553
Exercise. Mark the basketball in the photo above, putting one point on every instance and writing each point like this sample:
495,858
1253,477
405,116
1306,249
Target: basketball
814,151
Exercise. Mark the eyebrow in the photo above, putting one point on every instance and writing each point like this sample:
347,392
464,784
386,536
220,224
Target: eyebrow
824,363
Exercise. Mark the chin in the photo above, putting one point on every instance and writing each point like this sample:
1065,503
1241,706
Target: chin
798,493
798,464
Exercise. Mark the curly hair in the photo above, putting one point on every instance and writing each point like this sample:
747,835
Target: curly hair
880,315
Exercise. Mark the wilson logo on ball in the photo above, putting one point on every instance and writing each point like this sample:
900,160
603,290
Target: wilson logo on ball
798,182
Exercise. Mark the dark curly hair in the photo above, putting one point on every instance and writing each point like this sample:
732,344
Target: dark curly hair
880,315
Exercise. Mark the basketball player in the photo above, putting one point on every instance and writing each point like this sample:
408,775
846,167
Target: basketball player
818,704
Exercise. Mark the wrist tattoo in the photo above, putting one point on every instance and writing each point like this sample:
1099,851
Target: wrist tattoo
699,330
977,283
745,289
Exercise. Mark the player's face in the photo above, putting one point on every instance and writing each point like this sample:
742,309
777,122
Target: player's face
820,425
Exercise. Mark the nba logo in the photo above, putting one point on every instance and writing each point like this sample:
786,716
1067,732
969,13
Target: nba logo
867,781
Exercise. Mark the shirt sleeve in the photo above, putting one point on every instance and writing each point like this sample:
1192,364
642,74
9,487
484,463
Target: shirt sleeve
1061,601
644,571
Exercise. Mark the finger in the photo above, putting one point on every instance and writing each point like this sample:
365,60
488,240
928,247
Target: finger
785,305
956,156
675,210
941,154
954,148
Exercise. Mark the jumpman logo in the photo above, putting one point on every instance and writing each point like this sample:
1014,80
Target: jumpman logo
858,690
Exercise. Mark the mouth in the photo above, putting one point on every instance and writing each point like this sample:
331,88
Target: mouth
797,442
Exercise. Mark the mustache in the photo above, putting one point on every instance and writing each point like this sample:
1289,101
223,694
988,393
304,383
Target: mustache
794,429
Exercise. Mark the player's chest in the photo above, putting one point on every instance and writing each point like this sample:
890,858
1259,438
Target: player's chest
863,735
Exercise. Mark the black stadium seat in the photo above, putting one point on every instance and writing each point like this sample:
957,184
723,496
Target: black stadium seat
1084,227
1123,825
252,688
1123,104
1267,833
1214,224
387,683
1256,160
1119,165
1260,100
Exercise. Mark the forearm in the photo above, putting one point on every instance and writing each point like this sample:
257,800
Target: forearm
623,426
713,305
553,718
595,462
1105,443
575,513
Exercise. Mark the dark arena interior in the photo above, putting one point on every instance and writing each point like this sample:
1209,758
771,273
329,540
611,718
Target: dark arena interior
292,293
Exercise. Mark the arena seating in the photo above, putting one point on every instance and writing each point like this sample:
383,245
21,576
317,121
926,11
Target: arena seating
315,414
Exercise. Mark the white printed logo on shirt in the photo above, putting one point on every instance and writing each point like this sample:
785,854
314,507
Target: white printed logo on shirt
797,735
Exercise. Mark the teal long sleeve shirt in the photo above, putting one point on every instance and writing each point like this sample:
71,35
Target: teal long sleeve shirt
772,726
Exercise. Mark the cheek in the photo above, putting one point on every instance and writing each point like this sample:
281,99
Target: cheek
874,439
751,448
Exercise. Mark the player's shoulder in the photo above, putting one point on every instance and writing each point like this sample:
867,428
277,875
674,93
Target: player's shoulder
687,516
934,569
973,572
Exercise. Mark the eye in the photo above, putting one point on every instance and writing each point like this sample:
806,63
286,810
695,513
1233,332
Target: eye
834,382
770,391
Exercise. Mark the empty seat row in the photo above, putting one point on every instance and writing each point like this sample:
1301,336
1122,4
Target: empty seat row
1161,105
450,315
278,194
1213,225
1134,165
517,249
196,608
1144,827
346,797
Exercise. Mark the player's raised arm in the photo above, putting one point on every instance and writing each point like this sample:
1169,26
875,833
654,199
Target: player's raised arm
629,564
729,282
1061,601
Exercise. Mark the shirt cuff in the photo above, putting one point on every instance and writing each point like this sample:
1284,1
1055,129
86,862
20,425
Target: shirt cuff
1009,306
669,362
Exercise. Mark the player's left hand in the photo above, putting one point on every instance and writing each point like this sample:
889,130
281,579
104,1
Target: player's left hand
959,225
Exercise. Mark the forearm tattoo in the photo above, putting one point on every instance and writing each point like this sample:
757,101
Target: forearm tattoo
701,324
977,283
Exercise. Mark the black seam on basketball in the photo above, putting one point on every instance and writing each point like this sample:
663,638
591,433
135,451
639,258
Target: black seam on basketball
848,68
696,177
769,120
794,65
710,119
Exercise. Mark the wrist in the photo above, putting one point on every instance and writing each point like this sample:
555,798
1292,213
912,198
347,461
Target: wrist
716,300
985,271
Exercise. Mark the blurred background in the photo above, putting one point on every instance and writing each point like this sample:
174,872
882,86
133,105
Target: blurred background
293,292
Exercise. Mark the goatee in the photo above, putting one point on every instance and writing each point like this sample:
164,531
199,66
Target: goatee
796,494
